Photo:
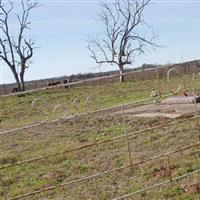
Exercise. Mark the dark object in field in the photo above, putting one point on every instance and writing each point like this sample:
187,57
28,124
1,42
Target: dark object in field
66,81
197,99
14,89
185,94
53,83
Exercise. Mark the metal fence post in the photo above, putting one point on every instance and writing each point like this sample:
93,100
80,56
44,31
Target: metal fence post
184,84
169,168
197,114
158,82
4,87
195,106
127,138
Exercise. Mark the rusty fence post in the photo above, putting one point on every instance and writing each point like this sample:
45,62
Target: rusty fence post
169,168
127,138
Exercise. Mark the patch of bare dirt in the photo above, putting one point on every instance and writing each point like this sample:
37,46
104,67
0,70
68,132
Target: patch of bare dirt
162,172
193,188
51,175
157,114
162,110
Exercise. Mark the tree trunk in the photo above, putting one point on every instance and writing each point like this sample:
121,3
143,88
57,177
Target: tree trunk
18,84
22,80
16,79
121,71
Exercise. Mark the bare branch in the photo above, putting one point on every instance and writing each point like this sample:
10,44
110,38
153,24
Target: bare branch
122,39
94,56
16,50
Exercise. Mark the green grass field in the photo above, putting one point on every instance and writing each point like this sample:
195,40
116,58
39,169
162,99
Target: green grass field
63,135
17,111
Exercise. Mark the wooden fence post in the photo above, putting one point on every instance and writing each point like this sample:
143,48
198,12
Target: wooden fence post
132,77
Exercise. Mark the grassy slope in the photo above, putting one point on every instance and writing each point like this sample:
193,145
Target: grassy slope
101,96
17,111
90,128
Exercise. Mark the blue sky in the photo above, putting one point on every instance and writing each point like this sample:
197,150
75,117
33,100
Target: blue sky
61,27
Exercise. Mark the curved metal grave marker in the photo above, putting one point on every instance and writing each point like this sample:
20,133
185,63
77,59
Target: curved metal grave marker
34,105
168,80
88,103
75,104
64,108
196,76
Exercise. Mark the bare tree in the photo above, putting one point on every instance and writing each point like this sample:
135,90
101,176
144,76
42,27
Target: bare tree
123,38
16,49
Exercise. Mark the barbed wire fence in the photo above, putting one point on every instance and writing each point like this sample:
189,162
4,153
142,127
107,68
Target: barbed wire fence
89,101
101,142
126,135
131,164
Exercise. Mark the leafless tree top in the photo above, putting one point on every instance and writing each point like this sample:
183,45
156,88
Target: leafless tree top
15,49
123,37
